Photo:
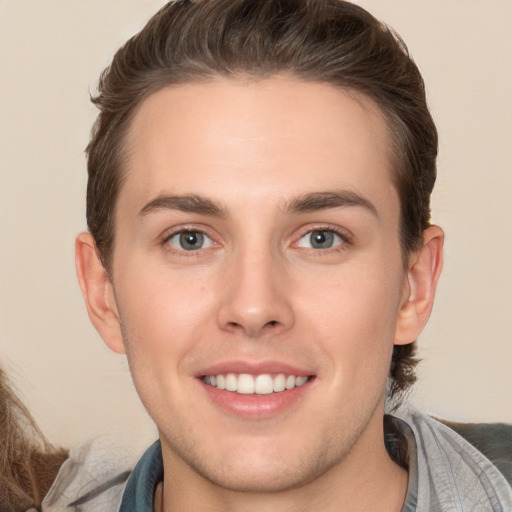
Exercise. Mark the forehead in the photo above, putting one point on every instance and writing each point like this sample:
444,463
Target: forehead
278,135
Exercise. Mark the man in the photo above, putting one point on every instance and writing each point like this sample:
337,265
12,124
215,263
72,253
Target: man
260,248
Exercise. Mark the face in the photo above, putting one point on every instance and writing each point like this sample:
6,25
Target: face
258,278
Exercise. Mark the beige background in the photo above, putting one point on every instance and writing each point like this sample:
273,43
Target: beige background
51,53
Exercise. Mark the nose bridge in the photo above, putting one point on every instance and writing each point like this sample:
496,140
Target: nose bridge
255,298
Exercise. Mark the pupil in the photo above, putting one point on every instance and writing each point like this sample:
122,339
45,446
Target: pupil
190,241
321,239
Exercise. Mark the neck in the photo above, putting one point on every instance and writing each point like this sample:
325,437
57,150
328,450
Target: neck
365,479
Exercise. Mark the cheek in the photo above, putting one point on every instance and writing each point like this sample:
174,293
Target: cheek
161,313
358,298
353,316
161,321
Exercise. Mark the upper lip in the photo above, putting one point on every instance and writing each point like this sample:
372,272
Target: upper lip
254,368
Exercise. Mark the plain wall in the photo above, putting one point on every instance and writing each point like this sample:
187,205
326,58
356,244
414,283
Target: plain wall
51,54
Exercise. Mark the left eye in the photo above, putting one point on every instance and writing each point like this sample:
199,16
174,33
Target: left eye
190,240
320,239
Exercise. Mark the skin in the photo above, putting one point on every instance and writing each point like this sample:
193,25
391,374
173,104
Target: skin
257,293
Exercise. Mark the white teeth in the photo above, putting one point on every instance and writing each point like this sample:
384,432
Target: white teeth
247,384
280,382
299,381
263,385
231,382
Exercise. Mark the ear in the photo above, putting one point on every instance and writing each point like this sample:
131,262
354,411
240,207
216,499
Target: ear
98,292
420,287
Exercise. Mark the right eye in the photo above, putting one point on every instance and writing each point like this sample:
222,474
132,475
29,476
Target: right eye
189,241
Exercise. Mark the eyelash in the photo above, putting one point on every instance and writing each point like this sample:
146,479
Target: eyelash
166,237
346,240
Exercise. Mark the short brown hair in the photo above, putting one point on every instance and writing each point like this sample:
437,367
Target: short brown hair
329,41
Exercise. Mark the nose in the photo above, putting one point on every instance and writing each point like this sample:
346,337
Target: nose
256,296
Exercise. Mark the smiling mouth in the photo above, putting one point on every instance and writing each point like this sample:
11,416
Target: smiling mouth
247,384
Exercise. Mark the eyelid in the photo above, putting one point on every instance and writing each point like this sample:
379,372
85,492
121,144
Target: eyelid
180,233
343,233
336,239
188,228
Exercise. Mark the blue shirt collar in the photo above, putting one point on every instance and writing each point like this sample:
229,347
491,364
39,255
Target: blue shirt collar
141,486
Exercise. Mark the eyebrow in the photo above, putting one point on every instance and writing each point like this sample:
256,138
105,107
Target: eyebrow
324,200
189,203
310,202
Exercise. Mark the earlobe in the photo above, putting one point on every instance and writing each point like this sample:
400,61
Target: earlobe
423,273
98,292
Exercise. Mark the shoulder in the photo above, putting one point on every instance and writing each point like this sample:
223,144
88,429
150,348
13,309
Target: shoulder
91,479
494,440
452,471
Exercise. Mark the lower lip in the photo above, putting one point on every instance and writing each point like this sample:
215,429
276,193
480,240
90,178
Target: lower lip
256,406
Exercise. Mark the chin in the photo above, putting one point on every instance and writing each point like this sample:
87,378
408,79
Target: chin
255,479
276,470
